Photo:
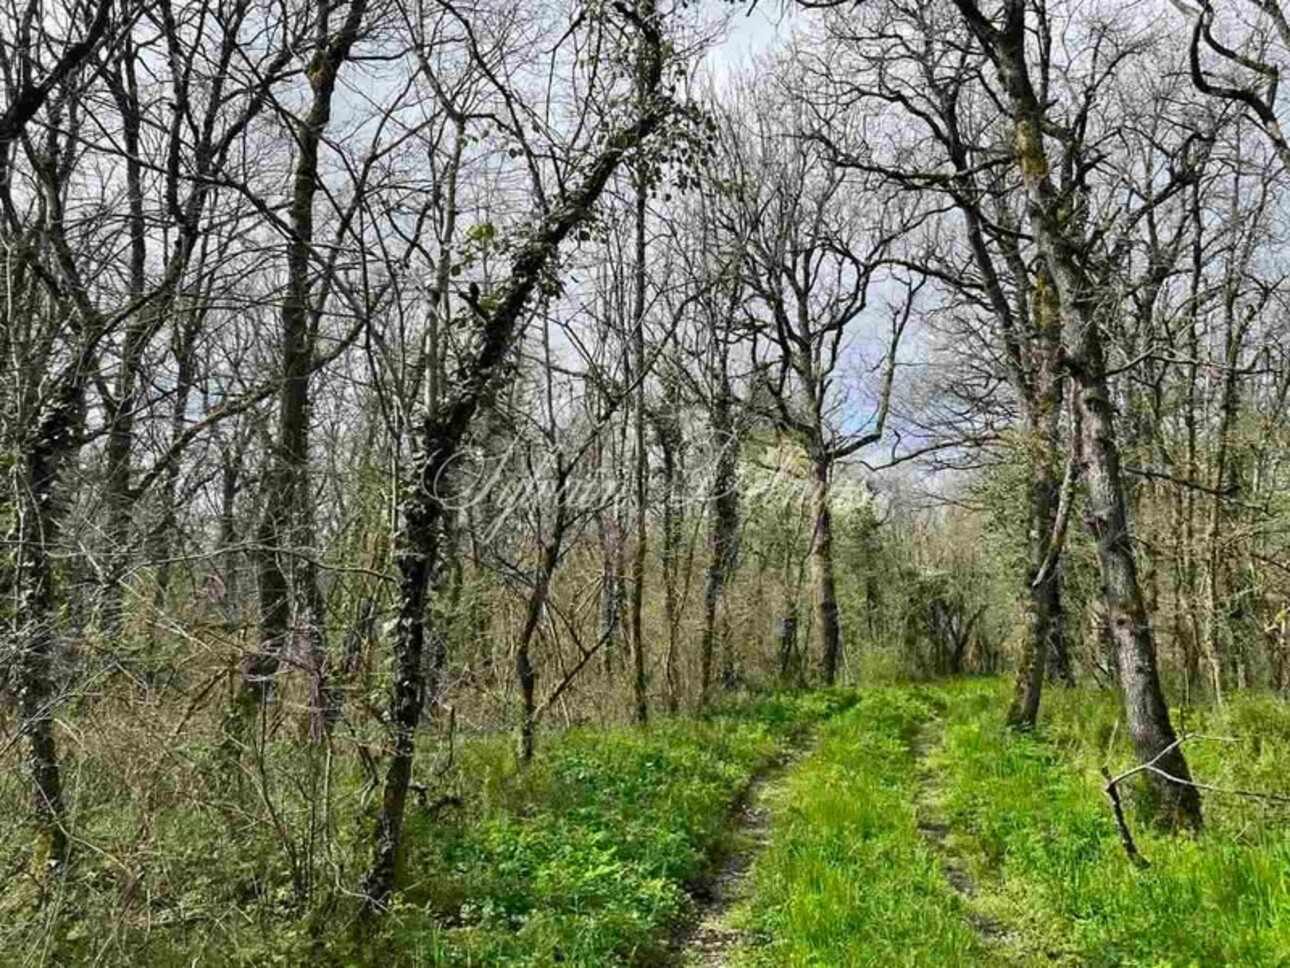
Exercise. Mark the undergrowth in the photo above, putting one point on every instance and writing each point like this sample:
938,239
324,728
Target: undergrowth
1032,818
583,857
587,856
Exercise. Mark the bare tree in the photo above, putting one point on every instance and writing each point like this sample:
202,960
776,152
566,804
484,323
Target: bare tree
438,435
811,265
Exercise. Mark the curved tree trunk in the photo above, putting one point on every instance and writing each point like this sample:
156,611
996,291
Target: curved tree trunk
1175,804
436,442
549,560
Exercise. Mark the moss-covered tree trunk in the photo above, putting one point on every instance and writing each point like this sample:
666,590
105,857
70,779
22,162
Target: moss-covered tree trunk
437,439
1175,801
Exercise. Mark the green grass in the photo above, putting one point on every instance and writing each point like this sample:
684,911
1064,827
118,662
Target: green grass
1033,819
586,857
848,879
583,858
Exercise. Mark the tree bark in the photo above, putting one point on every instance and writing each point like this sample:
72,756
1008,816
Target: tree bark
723,529
822,571
287,588
671,443
1033,372
436,443
1174,804
121,407
640,549
1045,641
36,613
1045,626
548,560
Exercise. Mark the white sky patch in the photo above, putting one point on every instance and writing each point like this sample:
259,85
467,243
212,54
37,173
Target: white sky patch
768,26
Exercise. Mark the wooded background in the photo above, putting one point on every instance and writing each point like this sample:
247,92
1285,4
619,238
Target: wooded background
377,372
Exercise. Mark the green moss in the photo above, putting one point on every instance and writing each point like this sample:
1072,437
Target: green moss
1030,151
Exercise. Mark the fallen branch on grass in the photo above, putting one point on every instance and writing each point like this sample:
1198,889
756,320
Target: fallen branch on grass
1117,807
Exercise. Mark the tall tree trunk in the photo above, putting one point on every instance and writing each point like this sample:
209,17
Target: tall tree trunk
723,528
292,586
119,450
168,520
1216,566
1045,639
1037,382
435,447
1188,620
668,428
1175,804
35,616
1044,597
230,486
610,526
416,548
640,683
1060,670
548,560
822,570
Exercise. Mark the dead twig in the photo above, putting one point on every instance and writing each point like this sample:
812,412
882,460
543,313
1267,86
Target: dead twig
1117,808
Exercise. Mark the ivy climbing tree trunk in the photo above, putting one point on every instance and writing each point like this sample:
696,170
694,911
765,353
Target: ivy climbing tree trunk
437,438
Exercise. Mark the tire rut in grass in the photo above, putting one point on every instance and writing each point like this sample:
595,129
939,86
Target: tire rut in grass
710,940
935,829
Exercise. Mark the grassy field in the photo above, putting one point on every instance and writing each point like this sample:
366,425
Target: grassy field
914,830
1021,822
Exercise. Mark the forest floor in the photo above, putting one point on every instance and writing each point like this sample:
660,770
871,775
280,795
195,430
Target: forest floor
921,832
710,939
884,826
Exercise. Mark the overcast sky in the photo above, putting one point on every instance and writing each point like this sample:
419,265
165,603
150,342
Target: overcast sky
768,25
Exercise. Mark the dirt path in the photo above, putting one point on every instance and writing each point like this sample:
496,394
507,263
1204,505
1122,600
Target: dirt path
710,940
935,829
